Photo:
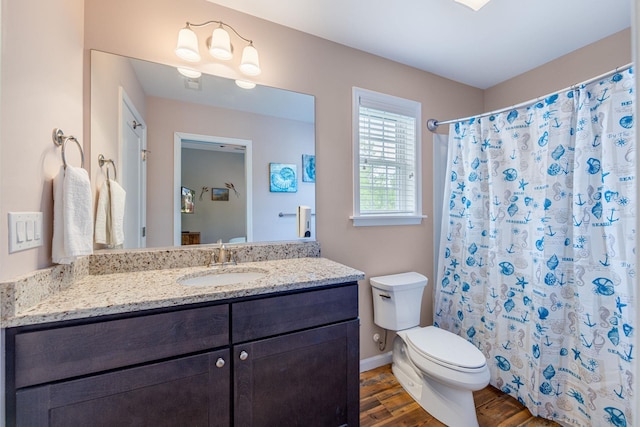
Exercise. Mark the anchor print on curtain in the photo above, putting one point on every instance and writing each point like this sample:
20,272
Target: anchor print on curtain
537,265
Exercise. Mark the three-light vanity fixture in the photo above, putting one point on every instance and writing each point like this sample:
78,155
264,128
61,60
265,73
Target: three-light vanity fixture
219,46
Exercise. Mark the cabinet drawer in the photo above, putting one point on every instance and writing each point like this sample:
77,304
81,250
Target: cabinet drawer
281,314
65,352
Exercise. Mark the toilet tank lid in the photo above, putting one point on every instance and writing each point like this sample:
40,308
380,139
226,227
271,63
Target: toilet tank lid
392,282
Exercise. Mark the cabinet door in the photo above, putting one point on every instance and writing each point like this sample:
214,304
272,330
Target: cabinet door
307,378
190,391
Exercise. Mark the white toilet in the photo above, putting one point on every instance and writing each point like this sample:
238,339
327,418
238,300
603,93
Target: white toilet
439,369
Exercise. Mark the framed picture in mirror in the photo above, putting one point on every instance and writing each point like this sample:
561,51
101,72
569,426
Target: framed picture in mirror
308,168
187,197
283,178
220,194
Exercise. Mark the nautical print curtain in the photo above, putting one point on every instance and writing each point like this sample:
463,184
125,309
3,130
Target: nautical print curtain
537,255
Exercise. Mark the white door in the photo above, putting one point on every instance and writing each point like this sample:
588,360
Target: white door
134,175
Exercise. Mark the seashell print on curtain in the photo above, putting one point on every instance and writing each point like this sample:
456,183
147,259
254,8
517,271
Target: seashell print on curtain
537,265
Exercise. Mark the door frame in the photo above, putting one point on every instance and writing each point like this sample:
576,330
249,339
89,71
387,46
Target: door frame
178,138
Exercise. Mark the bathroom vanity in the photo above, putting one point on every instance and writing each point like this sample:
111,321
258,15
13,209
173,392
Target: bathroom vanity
273,351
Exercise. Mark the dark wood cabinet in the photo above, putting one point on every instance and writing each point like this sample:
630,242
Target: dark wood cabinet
301,379
289,359
190,238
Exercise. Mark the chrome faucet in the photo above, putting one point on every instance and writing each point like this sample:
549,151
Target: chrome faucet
222,256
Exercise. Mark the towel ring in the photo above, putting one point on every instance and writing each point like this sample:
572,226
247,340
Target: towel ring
61,140
102,161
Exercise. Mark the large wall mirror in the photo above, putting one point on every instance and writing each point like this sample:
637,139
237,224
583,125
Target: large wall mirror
200,158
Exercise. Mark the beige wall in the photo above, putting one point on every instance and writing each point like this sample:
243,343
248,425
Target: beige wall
42,57
590,61
214,219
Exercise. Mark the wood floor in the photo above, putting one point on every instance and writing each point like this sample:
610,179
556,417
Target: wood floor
383,402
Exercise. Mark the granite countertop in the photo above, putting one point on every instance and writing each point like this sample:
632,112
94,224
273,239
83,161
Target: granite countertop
97,295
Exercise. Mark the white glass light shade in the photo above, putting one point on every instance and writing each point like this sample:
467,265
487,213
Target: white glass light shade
189,72
187,47
250,64
220,44
476,5
245,84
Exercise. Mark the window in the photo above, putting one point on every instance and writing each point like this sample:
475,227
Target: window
387,178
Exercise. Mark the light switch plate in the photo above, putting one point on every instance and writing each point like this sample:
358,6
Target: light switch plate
24,230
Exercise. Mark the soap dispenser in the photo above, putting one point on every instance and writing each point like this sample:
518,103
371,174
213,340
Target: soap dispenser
303,215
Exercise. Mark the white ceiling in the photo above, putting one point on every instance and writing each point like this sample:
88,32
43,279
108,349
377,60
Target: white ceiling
502,40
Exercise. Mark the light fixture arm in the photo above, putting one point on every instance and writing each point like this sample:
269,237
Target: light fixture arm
222,24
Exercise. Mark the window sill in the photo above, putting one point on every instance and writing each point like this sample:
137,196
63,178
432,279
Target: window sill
382,220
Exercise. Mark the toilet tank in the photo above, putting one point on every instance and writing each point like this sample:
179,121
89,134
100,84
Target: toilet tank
397,300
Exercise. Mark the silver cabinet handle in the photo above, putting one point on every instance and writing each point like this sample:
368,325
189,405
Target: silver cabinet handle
220,362
244,355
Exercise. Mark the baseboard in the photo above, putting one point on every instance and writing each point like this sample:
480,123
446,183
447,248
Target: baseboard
375,361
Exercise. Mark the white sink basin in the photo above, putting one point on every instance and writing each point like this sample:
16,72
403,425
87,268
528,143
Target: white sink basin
221,278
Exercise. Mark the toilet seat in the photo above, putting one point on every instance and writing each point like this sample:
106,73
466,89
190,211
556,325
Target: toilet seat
445,348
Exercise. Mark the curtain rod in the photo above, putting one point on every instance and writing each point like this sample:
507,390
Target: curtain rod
432,124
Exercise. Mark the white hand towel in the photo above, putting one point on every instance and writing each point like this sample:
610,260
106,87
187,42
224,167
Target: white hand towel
117,196
73,219
102,212
110,214
57,246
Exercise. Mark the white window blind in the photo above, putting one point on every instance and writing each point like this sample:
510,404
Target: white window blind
386,153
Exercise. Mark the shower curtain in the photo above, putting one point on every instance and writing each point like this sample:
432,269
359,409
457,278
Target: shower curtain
537,254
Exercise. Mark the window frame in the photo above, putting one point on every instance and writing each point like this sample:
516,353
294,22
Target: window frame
392,104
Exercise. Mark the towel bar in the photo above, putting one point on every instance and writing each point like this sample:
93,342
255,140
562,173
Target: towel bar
281,214
102,161
60,140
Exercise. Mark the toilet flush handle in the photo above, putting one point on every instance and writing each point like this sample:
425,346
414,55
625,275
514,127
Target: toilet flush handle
383,296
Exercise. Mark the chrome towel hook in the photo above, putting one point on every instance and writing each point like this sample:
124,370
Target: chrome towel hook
60,140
